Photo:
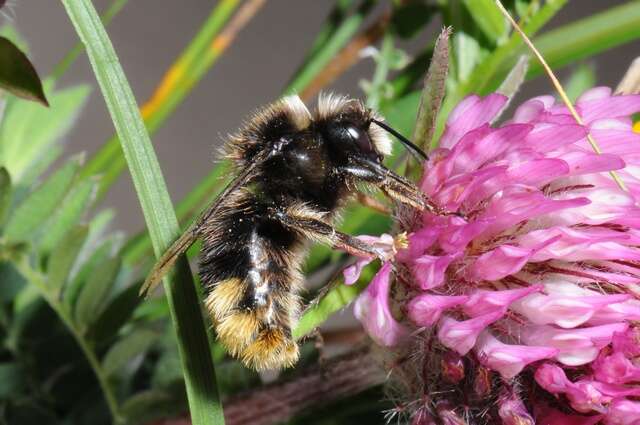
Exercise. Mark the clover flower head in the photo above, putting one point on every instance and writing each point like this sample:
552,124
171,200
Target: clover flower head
536,278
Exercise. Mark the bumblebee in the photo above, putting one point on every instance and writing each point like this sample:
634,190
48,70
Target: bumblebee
293,172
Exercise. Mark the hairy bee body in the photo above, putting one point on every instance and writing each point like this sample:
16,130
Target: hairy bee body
294,171
250,261
250,267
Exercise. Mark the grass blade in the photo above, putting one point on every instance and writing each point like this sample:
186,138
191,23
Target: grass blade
193,342
183,75
68,60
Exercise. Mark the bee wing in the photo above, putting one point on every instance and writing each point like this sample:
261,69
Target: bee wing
171,255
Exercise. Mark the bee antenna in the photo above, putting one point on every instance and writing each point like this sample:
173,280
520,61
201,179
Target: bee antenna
413,149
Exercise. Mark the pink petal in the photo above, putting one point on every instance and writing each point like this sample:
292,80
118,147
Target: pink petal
532,109
581,162
615,106
429,270
457,236
595,93
553,379
482,302
624,311
459,188
564,311
426,309
473,153
419,241
623,412
512,410
518,204
506,359
384,243
627,342
352,273
462,336
548,137
502,261
577,346
615,369
372,309
471,113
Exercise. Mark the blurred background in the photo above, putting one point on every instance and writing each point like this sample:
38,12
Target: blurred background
264,56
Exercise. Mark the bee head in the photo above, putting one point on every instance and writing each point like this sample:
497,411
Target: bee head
347,125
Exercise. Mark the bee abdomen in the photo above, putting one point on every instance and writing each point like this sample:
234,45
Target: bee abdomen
253,311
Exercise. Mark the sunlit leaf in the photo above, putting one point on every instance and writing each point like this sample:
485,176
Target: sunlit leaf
488,18
70,212
5,193
28,131
39,205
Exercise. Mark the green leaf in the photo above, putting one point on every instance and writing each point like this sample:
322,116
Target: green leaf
134,344
88,269
115,315
411,17
73,207
29,131
150,405
467,53
10,32
64,257
5,194
94,294
514,80
488,18
336,299
11,282
11,380
40,204
580,80
18,75
193,341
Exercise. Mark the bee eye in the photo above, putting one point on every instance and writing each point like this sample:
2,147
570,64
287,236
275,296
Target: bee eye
361,138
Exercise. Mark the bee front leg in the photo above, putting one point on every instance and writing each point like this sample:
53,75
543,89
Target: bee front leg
393,185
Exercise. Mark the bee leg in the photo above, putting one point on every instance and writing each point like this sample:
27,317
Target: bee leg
392,184
318,230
